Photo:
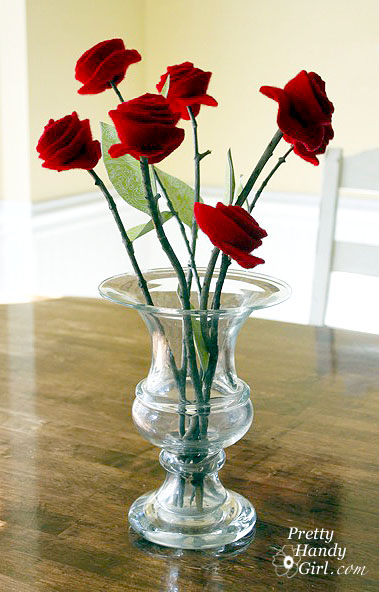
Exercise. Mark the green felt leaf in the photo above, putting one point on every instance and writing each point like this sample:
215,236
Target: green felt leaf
141,229
230,180
201,348
181,195
166,86
123,172
125,175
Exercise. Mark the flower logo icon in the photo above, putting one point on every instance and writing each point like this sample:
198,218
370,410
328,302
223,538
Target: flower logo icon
285,562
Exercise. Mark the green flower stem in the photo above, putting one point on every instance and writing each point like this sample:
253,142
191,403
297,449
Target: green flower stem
225,263
117,91
197,158
240,200
182,230
281,160
258,169
205,294
183,292
197,189
141,280
213,349
184,361
193,430
250,183
208,278
125,239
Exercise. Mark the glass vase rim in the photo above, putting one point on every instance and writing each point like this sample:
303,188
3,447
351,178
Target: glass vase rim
283,292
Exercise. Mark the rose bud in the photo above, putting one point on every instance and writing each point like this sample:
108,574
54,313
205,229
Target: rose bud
104,63
187,88
146,127
304,115
232,230
67,144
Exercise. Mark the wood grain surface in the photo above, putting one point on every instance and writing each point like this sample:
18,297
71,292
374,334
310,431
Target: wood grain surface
71,462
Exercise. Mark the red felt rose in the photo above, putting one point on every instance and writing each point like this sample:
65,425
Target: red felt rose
232,230
188,88
304,115
311,155
67,144
105,62
146,127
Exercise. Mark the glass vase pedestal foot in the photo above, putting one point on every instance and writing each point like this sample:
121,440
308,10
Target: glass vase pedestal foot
192,404
192,509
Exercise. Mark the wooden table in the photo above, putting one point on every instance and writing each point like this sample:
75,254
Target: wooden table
71,461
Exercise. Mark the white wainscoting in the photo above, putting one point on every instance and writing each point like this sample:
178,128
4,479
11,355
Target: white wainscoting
66,247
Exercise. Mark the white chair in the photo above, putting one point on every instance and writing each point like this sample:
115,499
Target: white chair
358,172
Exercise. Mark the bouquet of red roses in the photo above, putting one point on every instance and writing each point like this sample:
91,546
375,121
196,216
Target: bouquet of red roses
146,131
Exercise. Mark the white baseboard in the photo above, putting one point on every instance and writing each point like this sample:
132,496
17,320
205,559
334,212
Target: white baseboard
16,252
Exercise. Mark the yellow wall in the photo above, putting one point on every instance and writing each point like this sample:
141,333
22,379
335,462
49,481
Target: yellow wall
248,43
245,43
58,33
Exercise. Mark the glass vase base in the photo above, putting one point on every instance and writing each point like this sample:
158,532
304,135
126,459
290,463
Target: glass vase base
230,522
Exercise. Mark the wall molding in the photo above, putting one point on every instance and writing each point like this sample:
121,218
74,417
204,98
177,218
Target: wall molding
42,243
83,207
366,201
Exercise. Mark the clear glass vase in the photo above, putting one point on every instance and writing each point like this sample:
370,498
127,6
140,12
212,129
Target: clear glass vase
192,404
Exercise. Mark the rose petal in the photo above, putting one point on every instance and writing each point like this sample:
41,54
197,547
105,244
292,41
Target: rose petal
67,144
146,127
91,58
304,113
188,88
243,219
112,68
243,259
220,228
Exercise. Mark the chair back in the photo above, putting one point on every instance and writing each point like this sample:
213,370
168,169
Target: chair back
358,172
